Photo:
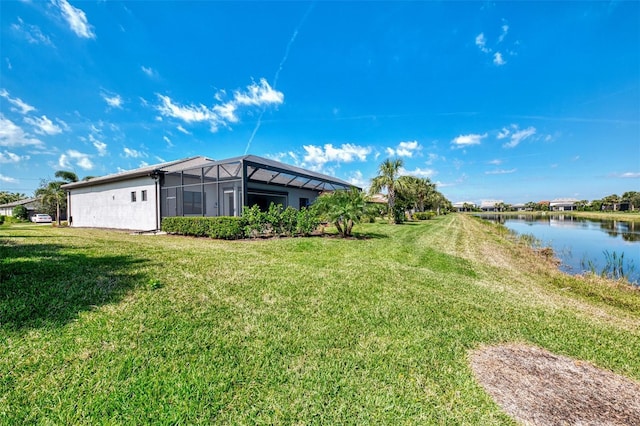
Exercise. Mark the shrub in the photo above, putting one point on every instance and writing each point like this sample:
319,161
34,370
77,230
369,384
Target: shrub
255,221
274,218
275,221
423,215
307,221
1,219
21,212
289,220
223,227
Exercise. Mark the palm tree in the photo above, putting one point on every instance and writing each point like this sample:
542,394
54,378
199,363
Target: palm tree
343,209
388,179
50,193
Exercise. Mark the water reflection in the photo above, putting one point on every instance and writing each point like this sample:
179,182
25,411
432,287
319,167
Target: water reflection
579,241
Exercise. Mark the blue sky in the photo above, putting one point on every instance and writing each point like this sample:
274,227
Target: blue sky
513,101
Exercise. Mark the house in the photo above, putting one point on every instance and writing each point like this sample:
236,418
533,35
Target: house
491,205
31,204
195,186
465,206
563,204
378,199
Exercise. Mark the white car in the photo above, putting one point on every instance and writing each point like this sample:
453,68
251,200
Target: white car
41,218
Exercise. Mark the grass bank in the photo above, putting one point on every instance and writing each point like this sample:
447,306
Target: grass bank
99,326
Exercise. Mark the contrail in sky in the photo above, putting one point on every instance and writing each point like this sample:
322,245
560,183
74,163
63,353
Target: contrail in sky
277,76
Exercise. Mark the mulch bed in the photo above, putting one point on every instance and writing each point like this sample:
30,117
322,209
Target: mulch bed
537,387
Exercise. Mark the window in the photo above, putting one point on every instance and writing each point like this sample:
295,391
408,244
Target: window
133,196
304,202
144,195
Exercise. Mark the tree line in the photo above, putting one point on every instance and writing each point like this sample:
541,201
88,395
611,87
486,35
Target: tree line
608,203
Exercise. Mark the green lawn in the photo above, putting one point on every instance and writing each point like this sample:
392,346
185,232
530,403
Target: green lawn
106,327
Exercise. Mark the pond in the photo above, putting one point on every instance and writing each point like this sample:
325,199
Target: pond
611,247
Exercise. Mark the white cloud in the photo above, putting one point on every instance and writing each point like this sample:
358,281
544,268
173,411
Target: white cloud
188,114
143,164
10,157
43,126
150,72
358,180
99,145
7,179
167,140
519,135
468,140
132,153
432,158
404,149
630,175
72,156
317,156
505,30
256,95
481,42
495,162
503,133
499,172
113,100
226,112
498,58
31,33
12,135
21,107
183,130
418,172
76,19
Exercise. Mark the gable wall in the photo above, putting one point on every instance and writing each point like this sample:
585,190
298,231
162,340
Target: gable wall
110,206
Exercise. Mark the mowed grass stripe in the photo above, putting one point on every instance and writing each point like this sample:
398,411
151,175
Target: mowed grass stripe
316,330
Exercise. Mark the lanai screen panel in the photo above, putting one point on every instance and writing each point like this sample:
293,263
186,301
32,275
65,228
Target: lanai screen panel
200,191
290,178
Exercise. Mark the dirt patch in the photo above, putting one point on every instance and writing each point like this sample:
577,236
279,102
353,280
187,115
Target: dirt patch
537,387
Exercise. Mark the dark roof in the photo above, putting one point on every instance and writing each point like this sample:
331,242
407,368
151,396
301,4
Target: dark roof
275,172
18,203
259,169
170,166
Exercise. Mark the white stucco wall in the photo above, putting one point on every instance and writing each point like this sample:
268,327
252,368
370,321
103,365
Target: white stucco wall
109,205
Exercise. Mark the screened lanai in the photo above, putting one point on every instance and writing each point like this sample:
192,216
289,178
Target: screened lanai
222,188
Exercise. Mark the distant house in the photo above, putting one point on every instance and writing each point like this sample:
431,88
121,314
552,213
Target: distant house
195,186
491,205
31,204
464,206
520,207
563,204
378,199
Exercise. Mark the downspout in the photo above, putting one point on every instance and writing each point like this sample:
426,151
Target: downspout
157,209
69,215
156,177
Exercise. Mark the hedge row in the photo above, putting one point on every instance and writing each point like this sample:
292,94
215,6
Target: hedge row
222,227
423,215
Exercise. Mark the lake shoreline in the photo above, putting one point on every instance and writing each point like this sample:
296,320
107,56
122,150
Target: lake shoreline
625,216
597,244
